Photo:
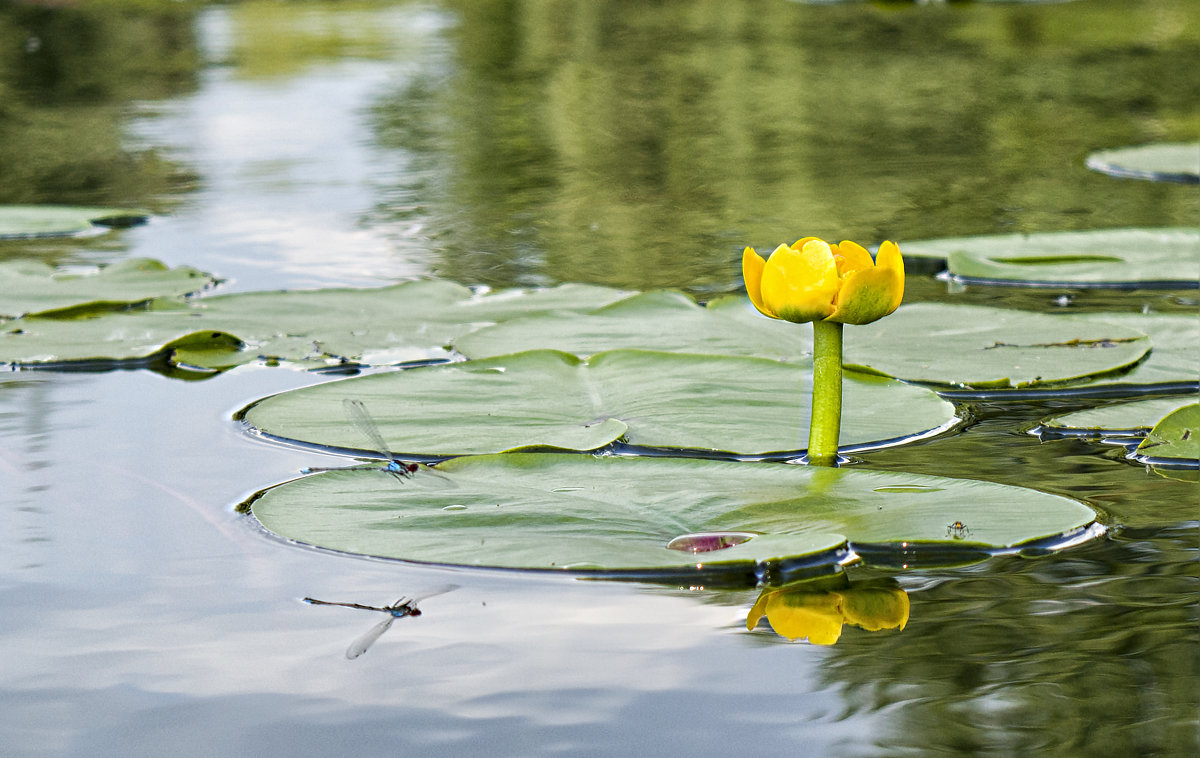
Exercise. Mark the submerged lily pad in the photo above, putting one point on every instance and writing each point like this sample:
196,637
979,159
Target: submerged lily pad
551,399
1163,162
1169,429
1112,420
614,515
658,320
318,328
983,347
25,221
1104,257
32,287
1174,440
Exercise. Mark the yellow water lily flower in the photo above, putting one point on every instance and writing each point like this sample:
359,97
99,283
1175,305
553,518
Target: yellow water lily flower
812,280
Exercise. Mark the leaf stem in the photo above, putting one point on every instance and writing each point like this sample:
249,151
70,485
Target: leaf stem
826,419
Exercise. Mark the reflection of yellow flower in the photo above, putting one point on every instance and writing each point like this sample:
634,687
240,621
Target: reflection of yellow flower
816,281
819,615
814,615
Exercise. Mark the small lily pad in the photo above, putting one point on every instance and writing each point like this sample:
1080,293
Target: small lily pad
319,328
550,399
1099,258
1122,419
33,288
27,221
983,347
1174,440
1163,162
614,515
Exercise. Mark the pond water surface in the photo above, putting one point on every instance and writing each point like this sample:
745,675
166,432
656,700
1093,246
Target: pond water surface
630,145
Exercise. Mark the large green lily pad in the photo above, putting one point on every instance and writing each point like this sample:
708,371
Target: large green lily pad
613,514
983,347
941,341
1163,162
25,221
1174,440
551,399
658,320
1122,419
1105,257
318,328
32,287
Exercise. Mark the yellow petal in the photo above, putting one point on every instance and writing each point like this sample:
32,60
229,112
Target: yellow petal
889,257
866,296
851,256
800,285
800,243
752,270
869,295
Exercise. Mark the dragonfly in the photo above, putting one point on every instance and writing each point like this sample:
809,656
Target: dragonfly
403,607
370,430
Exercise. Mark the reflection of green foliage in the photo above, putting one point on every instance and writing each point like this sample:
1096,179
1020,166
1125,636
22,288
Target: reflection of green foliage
665,134
64,73
99,51
1003,662
276,39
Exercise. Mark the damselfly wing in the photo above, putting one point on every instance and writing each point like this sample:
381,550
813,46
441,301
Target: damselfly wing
366,426
369,429
403,606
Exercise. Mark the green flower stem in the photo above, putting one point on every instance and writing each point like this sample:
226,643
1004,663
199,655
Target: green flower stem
826,422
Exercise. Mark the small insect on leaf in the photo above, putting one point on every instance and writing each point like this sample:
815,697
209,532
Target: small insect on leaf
958,530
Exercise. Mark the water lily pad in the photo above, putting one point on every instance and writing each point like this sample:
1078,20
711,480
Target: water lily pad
1105,257
730,326
983,347
1122,419
32,287
1173,358
25,221
547,398
1174,440
318,328
1164,162
614,514
659,320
